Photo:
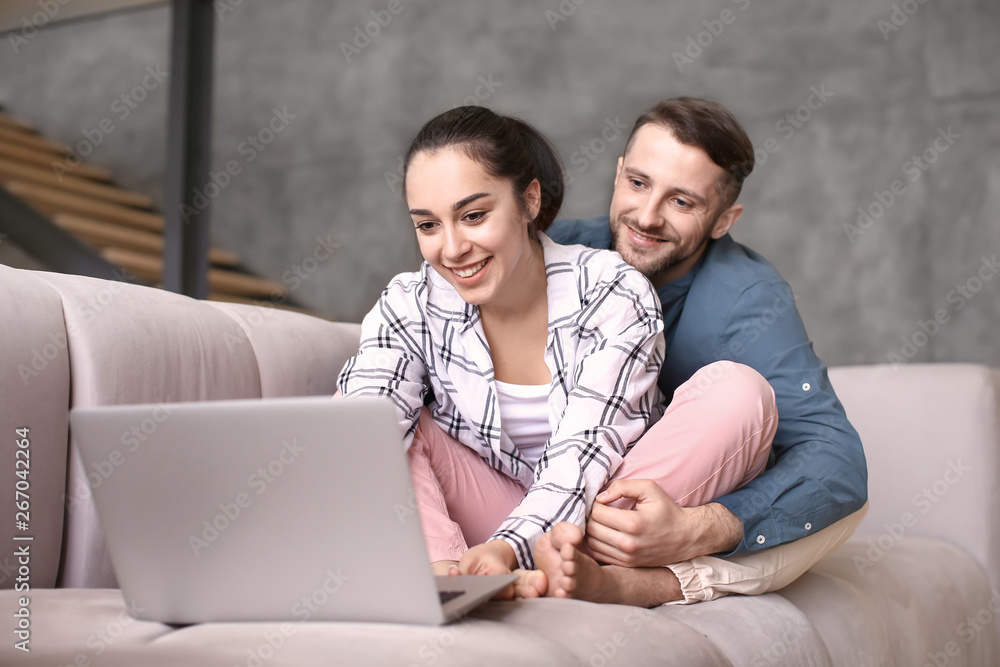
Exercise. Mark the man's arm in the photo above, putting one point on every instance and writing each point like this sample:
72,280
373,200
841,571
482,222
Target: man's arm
819,475
660,531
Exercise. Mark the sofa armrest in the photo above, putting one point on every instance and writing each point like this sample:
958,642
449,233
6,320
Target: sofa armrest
931,434
34,394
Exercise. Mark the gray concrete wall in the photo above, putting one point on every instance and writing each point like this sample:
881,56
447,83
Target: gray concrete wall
894,77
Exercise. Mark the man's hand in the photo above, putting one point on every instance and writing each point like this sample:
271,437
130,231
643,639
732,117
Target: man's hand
494,557
658,531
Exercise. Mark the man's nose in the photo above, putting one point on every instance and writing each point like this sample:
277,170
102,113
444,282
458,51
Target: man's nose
649,214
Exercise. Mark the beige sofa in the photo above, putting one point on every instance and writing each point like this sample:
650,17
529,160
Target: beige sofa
917,585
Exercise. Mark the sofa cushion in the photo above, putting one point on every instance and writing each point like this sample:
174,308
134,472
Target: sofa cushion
605,634
903,611
922,591
755,631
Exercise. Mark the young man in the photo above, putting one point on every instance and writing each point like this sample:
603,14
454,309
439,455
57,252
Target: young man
674,203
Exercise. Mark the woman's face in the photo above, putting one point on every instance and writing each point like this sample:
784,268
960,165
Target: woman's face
469,225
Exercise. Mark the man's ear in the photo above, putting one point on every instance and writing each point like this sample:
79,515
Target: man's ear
726,220
533,198
618,172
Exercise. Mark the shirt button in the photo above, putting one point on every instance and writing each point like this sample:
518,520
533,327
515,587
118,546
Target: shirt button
809,526
760,539
806,386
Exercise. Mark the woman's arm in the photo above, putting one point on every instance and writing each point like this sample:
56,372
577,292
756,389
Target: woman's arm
390,361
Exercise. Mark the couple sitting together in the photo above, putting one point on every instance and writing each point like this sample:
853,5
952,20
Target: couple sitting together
641,426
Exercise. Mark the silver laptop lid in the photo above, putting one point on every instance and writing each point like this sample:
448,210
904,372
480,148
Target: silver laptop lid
254,510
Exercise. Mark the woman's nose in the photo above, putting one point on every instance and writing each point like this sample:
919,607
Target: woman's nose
455,243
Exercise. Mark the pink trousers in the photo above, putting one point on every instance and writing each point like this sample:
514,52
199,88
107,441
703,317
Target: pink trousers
714,438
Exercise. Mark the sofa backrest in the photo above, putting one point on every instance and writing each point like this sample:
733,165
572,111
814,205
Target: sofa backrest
931,431
931,434
125,343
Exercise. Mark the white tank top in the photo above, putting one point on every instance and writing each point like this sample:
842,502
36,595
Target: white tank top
524,414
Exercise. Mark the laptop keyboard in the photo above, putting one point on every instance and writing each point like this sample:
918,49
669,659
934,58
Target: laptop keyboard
449,595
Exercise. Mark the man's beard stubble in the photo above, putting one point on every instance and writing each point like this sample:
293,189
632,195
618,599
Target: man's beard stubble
651,265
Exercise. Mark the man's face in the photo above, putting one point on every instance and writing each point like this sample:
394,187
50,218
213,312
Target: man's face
665,206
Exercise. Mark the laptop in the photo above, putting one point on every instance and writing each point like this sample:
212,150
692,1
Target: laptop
291,509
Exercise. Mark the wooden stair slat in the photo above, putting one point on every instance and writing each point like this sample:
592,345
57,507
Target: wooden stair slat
104,234
82,200
10,170
237,283
15,123
29,156
31,140
150,268
52,201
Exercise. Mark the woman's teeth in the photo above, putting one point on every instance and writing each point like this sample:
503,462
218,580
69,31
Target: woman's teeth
468,273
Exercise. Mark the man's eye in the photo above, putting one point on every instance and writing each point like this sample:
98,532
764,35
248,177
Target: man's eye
683,203
636,183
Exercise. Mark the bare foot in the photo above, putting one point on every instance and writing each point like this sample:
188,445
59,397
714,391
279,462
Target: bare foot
443,568
530,584
570,572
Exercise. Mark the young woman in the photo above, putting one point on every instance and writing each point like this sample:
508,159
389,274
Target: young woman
523,371
541,360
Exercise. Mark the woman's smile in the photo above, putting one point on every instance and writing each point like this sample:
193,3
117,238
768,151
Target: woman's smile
469,271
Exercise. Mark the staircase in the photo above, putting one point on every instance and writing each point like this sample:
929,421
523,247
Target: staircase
83,201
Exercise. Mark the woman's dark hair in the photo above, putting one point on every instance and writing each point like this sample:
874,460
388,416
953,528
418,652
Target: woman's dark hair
709,126
506,147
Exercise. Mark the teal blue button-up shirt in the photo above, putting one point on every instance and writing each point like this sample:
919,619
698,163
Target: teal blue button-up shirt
734,305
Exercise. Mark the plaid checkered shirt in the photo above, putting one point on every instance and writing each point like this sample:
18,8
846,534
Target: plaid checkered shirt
604,351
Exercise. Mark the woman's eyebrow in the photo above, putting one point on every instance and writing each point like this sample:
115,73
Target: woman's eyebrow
461,203
454,207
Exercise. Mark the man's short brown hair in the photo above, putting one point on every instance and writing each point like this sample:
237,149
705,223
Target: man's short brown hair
709,126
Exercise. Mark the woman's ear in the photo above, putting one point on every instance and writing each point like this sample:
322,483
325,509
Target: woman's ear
533,198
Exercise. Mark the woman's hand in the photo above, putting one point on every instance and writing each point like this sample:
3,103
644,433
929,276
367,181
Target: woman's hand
494,557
